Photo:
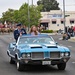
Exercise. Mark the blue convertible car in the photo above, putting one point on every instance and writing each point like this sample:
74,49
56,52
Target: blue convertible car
39,49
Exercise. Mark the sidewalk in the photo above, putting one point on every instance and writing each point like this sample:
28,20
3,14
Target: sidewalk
72,39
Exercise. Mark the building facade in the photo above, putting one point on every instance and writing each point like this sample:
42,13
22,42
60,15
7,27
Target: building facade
54,20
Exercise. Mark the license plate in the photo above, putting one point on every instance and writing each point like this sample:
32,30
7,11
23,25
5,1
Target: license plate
46,62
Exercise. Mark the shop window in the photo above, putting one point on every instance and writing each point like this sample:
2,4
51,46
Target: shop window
53,22
71,21
62,22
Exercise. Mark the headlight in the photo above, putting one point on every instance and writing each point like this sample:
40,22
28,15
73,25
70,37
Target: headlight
27,55
67,54
62,54
23,55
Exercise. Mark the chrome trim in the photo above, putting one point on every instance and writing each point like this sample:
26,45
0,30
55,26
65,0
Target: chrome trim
13,55
10,54
46,58
18,56
43,59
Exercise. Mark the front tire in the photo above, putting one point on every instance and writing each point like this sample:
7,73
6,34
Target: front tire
20,66
61,66
12,61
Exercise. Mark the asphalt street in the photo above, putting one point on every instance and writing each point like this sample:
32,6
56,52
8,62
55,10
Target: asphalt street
7,69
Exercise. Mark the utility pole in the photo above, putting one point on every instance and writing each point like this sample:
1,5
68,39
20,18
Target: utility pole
28,17
32,2
64,13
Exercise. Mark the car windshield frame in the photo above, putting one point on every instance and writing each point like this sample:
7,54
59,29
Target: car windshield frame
35,40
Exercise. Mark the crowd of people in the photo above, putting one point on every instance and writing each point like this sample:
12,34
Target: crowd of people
20,30
69,32
7,28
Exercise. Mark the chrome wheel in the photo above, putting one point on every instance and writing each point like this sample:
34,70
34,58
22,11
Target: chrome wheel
19,66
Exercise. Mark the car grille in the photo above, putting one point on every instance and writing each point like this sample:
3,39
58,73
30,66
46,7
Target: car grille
37,55
45,55
54,54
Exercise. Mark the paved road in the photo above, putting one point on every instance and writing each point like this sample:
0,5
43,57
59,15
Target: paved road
8,69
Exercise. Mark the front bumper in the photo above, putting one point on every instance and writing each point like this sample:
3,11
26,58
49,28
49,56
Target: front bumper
39,61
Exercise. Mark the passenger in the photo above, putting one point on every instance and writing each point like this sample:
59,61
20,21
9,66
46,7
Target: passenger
18,32
33,30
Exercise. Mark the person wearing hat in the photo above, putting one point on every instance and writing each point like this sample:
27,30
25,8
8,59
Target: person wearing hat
19,31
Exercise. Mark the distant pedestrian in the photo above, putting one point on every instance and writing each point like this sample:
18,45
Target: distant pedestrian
71,31
74,30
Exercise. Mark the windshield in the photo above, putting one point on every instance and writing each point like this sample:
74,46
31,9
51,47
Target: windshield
36,40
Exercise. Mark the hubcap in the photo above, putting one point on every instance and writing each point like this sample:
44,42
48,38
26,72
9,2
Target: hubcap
17,65
10,59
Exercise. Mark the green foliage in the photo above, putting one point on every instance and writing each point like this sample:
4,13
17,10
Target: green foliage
16,16
47,31
8,15
34,14
1,20
49,5
21,15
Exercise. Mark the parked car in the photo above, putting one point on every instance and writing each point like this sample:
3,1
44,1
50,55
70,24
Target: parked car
39,49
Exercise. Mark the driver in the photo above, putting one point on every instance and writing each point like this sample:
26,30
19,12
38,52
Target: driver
19,31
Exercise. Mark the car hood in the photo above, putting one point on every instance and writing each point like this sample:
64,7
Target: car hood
41,48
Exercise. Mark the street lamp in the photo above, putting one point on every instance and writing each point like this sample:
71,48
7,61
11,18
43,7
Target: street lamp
64,13
28,17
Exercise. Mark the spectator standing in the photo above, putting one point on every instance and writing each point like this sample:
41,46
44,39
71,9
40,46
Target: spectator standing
70,31
74,30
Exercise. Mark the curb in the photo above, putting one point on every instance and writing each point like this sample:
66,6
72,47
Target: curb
71,40
51,33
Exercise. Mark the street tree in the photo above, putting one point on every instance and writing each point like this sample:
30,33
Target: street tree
8,15
34,14
48,5
21,15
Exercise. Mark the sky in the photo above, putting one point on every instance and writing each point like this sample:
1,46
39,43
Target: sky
15,4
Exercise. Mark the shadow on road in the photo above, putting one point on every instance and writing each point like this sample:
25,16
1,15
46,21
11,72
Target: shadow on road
41,69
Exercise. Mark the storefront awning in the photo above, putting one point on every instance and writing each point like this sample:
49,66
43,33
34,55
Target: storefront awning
54,20
44,20
72,19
